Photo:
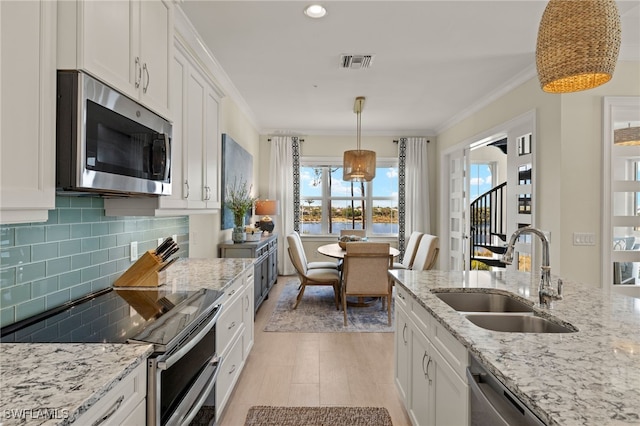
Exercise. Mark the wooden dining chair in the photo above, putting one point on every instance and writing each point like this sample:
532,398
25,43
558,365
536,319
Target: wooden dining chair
364,273
427,253
409,251
318,276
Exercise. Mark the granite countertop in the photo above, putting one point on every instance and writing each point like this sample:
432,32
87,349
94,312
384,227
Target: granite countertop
68,378
588,377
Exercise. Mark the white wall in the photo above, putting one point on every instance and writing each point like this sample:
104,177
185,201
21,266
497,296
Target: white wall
569,163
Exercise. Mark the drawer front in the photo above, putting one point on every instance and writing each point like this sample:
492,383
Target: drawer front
233,291
231,367
228,325
422,318
402,298
121,401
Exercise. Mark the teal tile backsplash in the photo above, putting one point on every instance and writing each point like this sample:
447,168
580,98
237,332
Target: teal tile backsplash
77,251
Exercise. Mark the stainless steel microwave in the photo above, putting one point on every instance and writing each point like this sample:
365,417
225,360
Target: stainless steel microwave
107,143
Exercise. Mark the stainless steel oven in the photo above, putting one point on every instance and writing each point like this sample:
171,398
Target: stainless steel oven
181,326
182,374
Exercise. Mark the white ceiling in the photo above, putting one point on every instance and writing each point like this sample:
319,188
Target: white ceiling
434,60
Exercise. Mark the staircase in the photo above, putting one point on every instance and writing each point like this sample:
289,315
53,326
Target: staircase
488,226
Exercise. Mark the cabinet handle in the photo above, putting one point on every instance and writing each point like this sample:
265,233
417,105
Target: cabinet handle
404,330
427,372
138,72
233,368
207,192
425,367
146,71
233,324
247,299
186,184
232,292
111,411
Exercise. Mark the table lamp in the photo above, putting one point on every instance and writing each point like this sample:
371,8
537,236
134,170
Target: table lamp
265,208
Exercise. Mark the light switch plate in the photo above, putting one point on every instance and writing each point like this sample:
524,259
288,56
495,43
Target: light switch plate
584,239
134,250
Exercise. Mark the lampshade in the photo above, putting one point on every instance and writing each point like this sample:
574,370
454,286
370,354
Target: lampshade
359,165
266,208
627,136
578,44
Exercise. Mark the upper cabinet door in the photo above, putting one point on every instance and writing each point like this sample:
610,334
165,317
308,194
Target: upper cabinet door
27,112
156,42
108,43
127,44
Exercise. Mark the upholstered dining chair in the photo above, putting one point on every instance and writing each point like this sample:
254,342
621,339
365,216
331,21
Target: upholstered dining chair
427,253
364,273
409,251
318,276
313,265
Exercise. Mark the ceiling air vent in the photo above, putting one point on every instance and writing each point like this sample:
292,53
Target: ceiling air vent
355,62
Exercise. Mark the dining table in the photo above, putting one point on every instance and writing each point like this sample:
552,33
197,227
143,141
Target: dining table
334,250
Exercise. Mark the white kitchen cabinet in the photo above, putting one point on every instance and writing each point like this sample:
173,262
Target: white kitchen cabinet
195,153
124,404
27,111
234,336
402,336
430,367
127,44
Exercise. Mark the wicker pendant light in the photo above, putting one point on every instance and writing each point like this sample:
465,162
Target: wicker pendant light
359,165
627,136
578,44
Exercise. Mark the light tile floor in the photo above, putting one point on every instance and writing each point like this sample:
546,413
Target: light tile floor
315,369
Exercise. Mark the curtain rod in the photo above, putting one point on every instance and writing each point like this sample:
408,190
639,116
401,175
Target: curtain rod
299,139
396,141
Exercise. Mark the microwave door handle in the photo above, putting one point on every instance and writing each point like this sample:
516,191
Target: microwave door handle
167,153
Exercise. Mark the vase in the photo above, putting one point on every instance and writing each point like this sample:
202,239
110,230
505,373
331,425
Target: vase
238,235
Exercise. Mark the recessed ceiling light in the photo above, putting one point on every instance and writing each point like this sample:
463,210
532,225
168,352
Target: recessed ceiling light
315,11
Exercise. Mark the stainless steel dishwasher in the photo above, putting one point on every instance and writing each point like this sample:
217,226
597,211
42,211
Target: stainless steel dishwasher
492,404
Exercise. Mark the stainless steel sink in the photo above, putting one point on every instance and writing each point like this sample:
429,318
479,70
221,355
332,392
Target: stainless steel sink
483,302
518,323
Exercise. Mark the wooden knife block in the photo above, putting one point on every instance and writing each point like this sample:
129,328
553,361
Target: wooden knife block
143,273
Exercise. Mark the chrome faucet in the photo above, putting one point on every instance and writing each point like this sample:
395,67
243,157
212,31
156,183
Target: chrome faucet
546,293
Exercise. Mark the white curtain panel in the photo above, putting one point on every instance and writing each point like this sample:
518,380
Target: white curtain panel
417,216
281,189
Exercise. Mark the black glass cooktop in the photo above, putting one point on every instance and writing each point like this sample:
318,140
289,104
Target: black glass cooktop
116,316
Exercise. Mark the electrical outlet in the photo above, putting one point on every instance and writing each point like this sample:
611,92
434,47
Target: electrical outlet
584,239
160,240
175,237
134,250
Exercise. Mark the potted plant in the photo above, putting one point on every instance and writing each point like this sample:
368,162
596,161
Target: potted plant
239,201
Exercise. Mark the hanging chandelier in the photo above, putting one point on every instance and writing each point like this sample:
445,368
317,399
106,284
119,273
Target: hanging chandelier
578,44
627,136
359,165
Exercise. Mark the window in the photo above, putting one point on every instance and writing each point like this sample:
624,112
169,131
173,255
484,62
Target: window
329,204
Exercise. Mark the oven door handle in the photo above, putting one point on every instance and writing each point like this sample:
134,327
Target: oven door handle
175,357
185,419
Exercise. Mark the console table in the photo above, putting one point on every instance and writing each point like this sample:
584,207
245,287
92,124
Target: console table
265,251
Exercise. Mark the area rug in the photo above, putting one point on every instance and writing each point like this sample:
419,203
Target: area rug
317,313
318,416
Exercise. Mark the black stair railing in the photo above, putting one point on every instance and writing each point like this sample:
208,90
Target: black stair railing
488,225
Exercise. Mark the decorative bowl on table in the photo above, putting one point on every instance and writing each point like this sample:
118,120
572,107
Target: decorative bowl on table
343,240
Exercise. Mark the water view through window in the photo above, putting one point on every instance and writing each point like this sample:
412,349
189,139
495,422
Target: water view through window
329,204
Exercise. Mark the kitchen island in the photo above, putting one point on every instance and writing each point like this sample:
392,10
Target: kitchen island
590,377
56,383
